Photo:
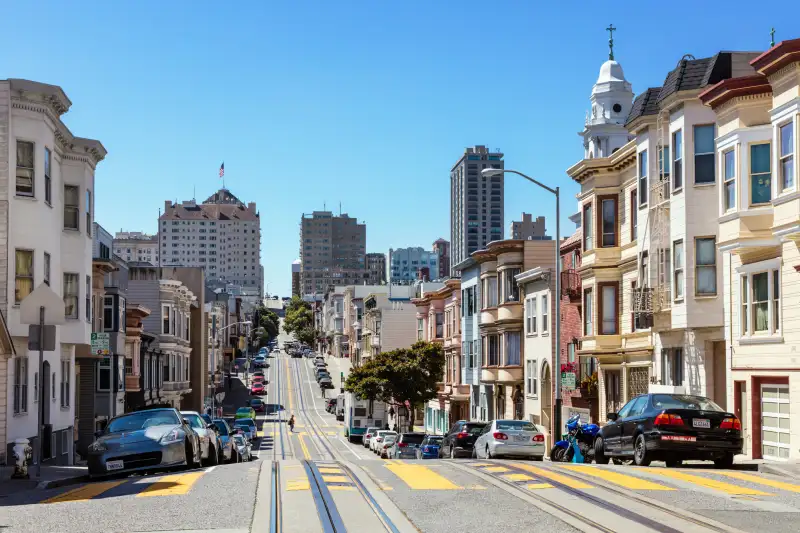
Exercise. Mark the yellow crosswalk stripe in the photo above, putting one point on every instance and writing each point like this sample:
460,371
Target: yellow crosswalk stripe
330,470
536,486
760,480
298,484
171,485
421,477
495,469
629,482
554,476
517,477
335,479
86,492
706,482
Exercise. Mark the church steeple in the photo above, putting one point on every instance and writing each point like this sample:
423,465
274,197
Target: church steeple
610,31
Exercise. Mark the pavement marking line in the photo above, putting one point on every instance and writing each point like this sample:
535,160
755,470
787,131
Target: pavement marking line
623,480
759,480
479,465
171,485
303,446
421,477
341,487
86,492
298,484
517,477
329,470
707,482
537,486
555,476
495,469
336,479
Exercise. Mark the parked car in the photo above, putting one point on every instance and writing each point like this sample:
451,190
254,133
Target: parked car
143,440
261,361
330,405
378,439
405,446
258,405
257,388
502,438
429,448
368,436
672,428
326,383
385,446
259,374
248,425
322,375
209,442
223,431
243,447
245,412
461,439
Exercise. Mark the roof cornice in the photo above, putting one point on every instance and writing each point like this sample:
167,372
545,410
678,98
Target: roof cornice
777,57
727,90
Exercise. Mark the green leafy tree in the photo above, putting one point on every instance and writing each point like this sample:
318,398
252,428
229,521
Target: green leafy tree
298,317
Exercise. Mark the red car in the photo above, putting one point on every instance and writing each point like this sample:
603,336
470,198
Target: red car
257,388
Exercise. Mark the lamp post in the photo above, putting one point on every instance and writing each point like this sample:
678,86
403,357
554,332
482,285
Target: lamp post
556,371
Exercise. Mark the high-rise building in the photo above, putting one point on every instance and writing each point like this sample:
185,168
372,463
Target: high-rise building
136,246
441,248
222,235
476,203
376,268
296,277
405,264
528,229
332,251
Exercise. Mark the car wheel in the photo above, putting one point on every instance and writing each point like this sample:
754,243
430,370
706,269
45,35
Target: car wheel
673,463
213,458
726,461
488,452
452,452
600,456
474,452
640,457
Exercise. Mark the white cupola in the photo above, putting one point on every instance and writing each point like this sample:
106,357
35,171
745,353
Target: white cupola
611,100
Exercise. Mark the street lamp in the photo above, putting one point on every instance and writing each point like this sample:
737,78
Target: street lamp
556,372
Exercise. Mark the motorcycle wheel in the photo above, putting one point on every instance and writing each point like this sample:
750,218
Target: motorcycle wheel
557,454
568,453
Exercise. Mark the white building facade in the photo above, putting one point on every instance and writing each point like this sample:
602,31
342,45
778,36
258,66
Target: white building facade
137,246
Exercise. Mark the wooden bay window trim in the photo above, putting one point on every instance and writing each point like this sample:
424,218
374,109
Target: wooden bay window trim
601,307
599,231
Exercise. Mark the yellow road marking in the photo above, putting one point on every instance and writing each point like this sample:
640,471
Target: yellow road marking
85,492
341,487
476,487
289,385
537,486
479,465
706,482
554,476
760,480
303,446
495,469
629,482
331,433
330,470
421,477
335,479
298,484
172,485
517,477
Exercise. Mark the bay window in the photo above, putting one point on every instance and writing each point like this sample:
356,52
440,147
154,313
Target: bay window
677,275
609,302
786,155
587,227
510,287
25,173
760,298
607,222
642,178
512,348
489,289
729,180
760,174
544,313
704,154
705,266
587,313
634,218
492,344
70,295
677,160
108,313
165,313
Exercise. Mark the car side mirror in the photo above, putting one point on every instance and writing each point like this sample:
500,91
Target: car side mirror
612,417
185,421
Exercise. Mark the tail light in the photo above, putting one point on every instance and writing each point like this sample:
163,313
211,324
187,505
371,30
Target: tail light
665,419
499,436
463,435
538,438
378,439
402,444
731,423
387,445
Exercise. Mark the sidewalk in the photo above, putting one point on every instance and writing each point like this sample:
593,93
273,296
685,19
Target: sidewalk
52,476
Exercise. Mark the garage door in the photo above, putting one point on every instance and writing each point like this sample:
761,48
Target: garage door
775,421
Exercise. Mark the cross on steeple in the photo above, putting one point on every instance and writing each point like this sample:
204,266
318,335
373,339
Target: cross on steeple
610,31
772,38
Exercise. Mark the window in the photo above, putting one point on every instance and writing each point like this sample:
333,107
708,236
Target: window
108,313
165,314
677,275
65,379
587,227
786,156
492,350
532,315
608,221
545,321
663,169
644,271
173,329
47,268
705,266
20,385
510,287
88,299
677,160
760,298
532,381
512,348
729,180
587,313
104,374
420,329
642,178
23,271
25,174
48,183
672,367
634,216
489,297
70,295
89,212
71,207
439,325
608,306
704,154
760,174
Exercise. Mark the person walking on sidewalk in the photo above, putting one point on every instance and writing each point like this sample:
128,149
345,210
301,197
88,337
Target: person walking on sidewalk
291,423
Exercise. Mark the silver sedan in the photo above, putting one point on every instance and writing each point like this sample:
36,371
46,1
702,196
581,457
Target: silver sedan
516,438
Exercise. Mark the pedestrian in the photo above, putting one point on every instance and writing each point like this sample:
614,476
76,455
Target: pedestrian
219,412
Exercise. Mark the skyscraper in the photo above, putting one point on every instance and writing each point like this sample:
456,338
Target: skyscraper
376,268
332,251
406,263
476,203
441,248
296,277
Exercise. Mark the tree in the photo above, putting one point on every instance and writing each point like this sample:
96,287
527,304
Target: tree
267,326
298,317
400,376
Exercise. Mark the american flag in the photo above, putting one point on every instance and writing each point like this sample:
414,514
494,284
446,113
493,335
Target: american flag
222,170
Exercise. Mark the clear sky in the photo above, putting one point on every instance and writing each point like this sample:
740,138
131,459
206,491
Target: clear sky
364,102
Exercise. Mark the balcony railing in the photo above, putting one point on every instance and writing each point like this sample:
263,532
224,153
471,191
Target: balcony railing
570,283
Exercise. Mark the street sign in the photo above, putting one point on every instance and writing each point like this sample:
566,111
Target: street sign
568,380
49,338
42,296
101,343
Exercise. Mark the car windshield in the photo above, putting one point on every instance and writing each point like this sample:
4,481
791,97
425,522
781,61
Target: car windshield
194,420
238,439
143,420
245,422
413,438
221,427
435,440
681,401
256,402
514,425
474,429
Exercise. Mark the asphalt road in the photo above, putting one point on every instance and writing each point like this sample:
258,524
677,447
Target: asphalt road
312,480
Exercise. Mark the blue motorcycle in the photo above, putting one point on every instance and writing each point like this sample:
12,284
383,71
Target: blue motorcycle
577,446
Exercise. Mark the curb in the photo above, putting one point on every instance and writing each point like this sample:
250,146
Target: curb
777,471
63,482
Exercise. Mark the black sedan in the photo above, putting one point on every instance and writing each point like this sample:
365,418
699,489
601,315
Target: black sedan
670,428
461,439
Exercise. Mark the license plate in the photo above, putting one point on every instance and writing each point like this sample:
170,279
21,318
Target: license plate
679,438
701,423
520,438
114,465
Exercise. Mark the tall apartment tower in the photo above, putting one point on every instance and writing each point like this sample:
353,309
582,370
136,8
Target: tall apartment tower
528,229
296,277
376,268
137,246
332,251
441,248
476,203
221,235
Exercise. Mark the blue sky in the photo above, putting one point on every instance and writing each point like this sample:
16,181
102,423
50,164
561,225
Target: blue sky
367,103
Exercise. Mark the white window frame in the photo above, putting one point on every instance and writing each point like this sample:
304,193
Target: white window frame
72,208
747,333
677,160
31,169
545,315
679,270
642,179
66,375
108,304
532,381
166,311
31,276
533,311
782,158
588,309
729,180
19,399
787,416
76,296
